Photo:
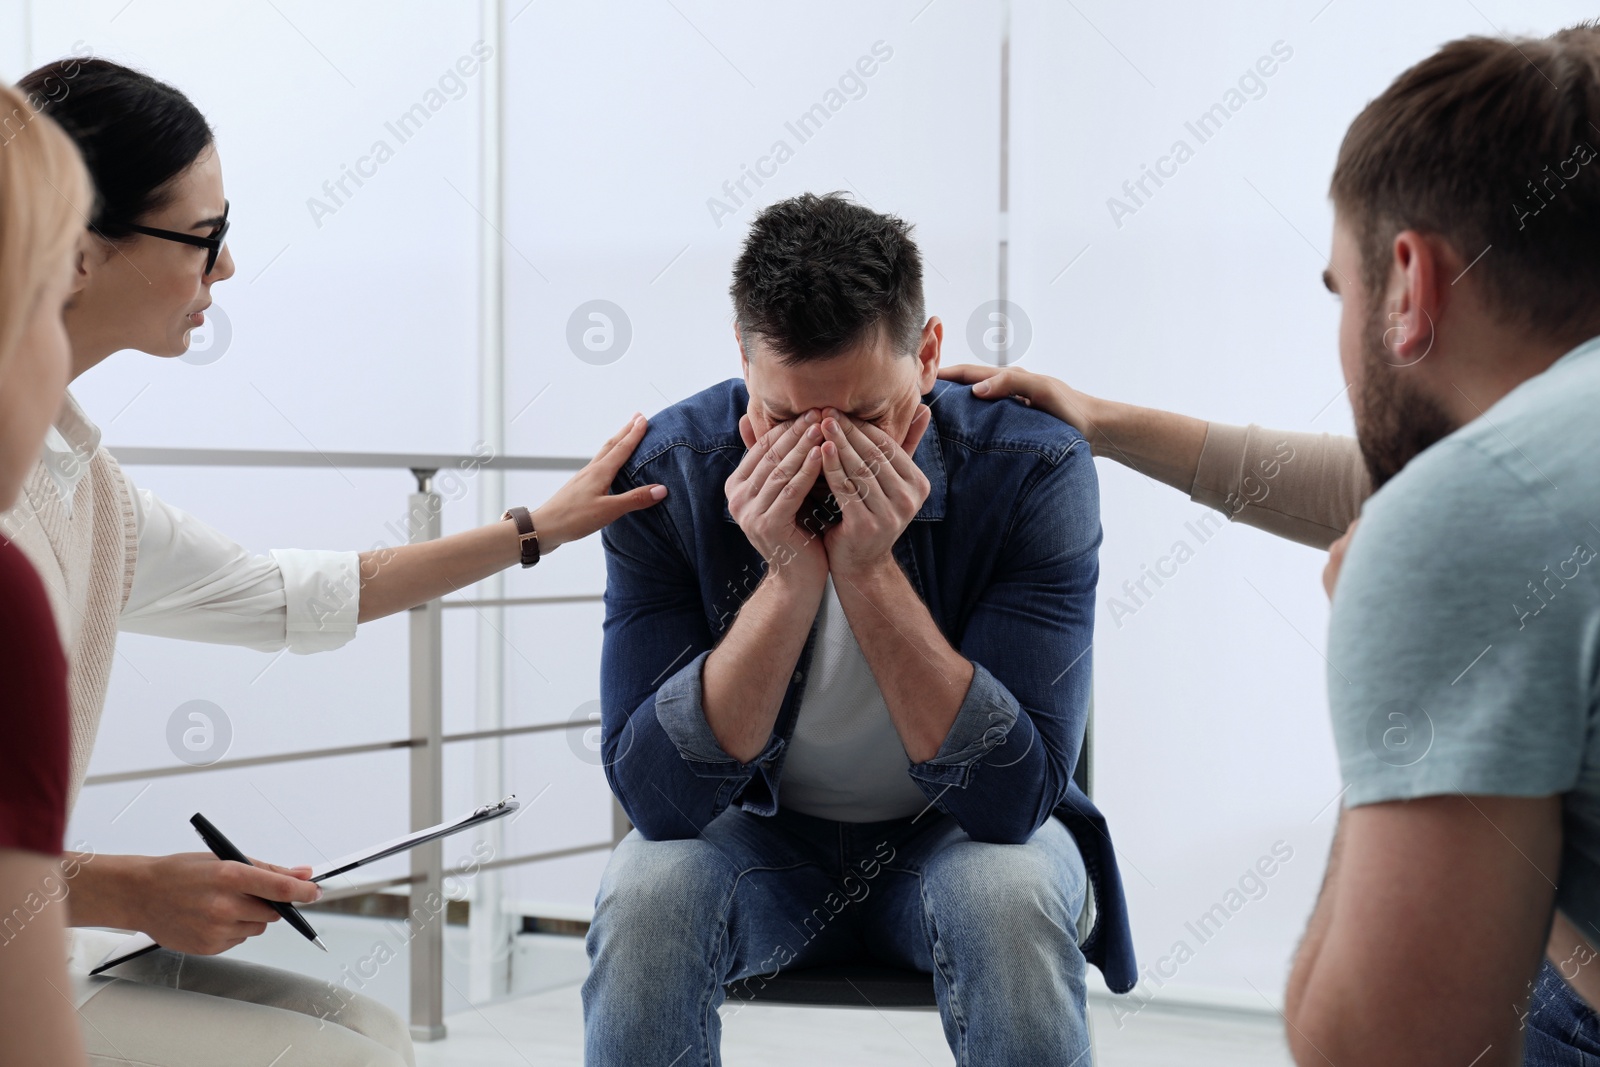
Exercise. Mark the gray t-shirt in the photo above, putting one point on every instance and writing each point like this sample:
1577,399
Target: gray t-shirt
846,761
1464,652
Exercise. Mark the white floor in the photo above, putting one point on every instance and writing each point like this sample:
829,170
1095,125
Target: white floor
547,1029
542,1023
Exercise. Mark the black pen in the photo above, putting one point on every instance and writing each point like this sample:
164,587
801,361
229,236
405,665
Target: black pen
225,850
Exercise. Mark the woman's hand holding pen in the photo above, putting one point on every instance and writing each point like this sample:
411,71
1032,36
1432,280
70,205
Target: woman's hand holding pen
190,902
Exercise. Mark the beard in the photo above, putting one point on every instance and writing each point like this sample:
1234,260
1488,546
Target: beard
1394,420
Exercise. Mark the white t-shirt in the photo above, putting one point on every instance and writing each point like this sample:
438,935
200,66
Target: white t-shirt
845,760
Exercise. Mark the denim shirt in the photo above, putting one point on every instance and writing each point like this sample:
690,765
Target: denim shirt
1004,555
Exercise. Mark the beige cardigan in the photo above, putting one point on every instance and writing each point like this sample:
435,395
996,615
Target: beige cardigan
85,555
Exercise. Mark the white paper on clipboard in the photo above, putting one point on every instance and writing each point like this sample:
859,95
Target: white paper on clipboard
486,813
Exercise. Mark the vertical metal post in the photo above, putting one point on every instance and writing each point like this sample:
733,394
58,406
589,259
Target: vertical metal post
428,903
1003,275
489,931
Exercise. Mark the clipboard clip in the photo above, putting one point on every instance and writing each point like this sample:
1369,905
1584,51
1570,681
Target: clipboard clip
488,809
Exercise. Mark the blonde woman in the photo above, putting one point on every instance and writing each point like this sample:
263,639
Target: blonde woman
44,195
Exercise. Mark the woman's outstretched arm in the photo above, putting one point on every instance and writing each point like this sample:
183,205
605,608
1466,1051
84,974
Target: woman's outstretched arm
394,579
195,583
1302,486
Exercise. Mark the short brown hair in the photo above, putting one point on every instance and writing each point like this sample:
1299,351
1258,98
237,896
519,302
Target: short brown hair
821,274
1490,144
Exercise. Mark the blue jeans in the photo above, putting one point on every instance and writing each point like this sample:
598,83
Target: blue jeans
996,925
1561,1030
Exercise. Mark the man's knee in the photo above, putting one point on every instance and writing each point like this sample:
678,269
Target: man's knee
659,892
1012,893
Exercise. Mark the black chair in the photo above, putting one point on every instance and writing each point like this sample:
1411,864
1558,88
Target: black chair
852,985
868,984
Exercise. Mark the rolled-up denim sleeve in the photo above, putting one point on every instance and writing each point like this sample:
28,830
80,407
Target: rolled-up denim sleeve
682,715
1009,756
663,762
985,720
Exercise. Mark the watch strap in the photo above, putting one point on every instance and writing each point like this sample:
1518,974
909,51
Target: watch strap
526,533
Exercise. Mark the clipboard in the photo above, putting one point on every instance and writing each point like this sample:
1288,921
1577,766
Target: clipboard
139,944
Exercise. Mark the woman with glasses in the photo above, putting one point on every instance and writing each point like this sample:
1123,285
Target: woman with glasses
116,557
212,242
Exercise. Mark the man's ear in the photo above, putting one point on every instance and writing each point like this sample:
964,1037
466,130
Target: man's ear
744,357
1416,295
928,355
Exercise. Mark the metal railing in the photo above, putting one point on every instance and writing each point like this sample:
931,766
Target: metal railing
427,738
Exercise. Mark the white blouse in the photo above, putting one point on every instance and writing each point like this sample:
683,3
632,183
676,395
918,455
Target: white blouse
195,583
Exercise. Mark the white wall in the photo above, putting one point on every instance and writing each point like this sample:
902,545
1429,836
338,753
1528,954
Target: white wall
623,119
1213,743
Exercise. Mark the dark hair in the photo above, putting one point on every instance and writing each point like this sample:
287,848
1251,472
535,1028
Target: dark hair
822,274
135,133
1489,144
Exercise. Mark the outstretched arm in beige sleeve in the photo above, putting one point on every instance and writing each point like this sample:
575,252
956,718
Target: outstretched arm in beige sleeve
1303,486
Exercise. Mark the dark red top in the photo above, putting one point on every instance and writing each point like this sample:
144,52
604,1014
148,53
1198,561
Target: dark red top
33,712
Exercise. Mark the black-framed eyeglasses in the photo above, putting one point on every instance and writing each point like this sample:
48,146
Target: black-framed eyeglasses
212,244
